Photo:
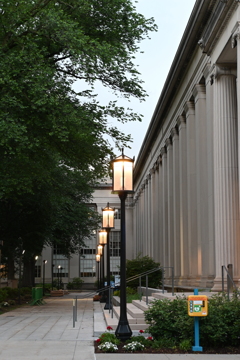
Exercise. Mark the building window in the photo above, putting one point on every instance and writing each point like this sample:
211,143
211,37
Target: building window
115,252
88,258
38,271
117,214
60,260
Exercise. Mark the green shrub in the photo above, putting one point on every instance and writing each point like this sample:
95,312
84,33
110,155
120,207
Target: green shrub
76,284
169,320
3,295
185,345
109,337
140,265
221,326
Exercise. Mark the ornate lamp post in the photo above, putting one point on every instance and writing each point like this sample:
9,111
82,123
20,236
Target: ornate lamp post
103,241
108,224
98,261
44,265
59,267
123,185
100,252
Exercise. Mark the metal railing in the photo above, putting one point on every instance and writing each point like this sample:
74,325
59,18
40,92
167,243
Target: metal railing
109,288
230,282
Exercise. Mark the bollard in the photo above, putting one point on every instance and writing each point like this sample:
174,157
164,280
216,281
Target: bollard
74,313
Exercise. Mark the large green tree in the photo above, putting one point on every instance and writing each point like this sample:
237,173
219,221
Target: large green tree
50,135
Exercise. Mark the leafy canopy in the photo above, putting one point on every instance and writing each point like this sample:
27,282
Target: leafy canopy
53,139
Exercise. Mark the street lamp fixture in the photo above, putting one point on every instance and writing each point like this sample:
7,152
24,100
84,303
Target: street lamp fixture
123,185
108,224
59,267
44,264
98,261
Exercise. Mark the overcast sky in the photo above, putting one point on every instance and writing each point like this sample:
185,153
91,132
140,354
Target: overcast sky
154,65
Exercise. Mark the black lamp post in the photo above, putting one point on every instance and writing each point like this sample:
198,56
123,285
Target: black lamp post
44,264
123,185
52,274
98,261
100,252
59,267
108,224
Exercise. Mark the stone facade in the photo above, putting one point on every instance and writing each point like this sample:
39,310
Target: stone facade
186,178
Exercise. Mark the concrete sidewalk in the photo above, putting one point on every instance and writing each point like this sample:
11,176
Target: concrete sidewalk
46,332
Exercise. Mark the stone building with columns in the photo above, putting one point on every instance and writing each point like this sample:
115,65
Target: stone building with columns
186,178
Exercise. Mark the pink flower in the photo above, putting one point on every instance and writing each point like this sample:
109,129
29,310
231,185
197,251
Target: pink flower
141,331
109,328
150,338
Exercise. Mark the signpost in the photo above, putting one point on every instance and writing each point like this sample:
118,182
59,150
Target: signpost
197,307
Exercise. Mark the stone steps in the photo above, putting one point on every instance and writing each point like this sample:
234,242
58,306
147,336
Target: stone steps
135,310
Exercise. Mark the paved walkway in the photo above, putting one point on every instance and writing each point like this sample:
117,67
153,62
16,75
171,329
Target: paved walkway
47,333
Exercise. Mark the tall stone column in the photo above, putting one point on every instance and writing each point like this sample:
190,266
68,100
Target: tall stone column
191,190
154,207
210,253
184,249
149,215
169,243
141,219
159,200
226,182
236,43
165,207
199,93
176,204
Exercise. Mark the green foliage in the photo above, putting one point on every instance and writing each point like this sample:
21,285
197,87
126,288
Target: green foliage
54,143
221,326
76,284
109,337
169,320
131,294
164,343
140,265
140,339
3,295
185,345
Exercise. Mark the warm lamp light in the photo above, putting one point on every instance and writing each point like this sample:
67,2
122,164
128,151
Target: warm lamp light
100,248
102,237
108,217
122,173
97,258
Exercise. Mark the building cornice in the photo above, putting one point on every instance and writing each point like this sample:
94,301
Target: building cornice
205,22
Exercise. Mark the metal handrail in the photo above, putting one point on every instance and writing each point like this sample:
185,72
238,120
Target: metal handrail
229,279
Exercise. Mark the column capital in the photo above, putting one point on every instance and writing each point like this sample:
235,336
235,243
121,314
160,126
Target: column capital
199,92
218,71
159,160
189,108
181,121
174,133
235,34
168,142
163,151
152,171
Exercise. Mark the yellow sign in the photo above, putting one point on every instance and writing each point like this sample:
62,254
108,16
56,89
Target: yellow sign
197,305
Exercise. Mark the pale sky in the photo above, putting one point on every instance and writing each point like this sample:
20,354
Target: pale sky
171,18
154,64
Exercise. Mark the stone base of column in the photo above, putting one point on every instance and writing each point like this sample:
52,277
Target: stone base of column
218,283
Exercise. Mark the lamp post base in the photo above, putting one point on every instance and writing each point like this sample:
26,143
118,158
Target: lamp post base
108,306
123,331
